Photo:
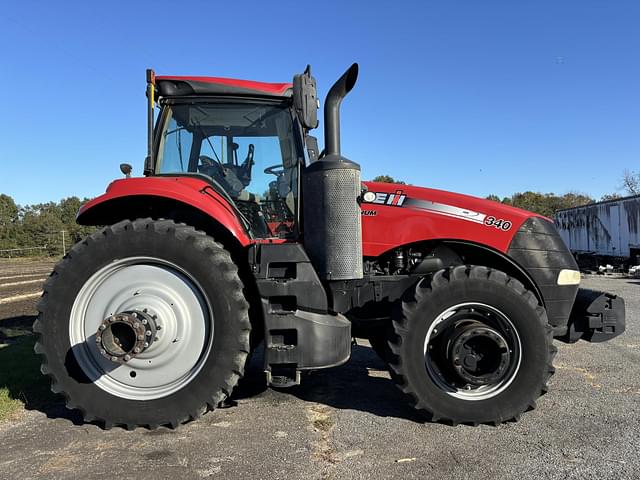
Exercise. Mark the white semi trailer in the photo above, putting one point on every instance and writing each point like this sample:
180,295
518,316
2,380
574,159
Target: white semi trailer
608,231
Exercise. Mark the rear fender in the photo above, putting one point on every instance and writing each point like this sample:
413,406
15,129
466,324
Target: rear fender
180,198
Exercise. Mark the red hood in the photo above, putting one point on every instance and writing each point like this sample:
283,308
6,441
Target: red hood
453,198
395,215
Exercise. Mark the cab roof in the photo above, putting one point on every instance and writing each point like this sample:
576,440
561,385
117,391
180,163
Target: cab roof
180,86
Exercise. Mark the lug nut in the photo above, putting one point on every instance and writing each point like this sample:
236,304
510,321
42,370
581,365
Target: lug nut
144,321
140,337
136,350
134,315
127,358
102,327
148,333
114,359
146,344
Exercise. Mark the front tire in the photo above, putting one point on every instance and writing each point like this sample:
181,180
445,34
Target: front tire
191,350
472,346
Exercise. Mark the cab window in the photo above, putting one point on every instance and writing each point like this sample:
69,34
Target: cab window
248,150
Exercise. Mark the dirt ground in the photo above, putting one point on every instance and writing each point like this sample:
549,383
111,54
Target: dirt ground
348,422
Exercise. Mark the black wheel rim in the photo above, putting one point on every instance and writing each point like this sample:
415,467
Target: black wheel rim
472,351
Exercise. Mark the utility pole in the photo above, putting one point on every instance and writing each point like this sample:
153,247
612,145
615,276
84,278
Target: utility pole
64,249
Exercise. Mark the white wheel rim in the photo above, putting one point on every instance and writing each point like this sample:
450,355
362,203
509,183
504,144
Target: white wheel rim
182,345
483,392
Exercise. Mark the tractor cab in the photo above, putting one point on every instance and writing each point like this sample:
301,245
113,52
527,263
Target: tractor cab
244,142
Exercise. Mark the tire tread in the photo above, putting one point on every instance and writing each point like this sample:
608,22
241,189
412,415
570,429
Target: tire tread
219,257
409,306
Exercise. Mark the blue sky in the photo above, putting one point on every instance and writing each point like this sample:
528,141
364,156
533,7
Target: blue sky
475,97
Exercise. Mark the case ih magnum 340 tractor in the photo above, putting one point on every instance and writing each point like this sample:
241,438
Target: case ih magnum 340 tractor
241,232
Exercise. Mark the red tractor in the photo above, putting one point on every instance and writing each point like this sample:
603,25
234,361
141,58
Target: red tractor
241,232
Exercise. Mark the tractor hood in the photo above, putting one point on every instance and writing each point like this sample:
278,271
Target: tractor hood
395,215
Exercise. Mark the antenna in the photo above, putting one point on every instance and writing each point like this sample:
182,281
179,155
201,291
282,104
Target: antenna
149,162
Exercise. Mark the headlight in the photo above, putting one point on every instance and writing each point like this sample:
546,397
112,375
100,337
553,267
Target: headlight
569,277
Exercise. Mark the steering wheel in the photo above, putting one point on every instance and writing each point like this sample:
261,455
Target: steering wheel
207,161
276,170
222,174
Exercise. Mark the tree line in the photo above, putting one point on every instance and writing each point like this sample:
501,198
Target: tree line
51,228
548,203
40,229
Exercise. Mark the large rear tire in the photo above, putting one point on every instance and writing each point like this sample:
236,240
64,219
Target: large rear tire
171,301
472,346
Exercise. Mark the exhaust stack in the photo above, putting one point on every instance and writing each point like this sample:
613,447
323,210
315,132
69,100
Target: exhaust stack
332,109
331,186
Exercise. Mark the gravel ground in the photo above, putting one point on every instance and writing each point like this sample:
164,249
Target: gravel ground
351,422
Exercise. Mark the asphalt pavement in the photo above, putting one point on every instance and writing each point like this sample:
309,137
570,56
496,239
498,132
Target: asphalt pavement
351,422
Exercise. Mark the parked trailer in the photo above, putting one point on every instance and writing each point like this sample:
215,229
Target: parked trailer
608,230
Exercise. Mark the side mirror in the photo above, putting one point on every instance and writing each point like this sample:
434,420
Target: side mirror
305,98
126,169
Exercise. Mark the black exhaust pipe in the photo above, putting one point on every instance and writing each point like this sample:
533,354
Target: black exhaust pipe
331,186
332,109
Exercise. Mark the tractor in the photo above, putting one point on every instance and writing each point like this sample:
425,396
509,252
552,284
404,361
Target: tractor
242,238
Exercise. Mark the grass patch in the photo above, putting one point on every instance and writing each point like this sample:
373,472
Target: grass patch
322,424
21,383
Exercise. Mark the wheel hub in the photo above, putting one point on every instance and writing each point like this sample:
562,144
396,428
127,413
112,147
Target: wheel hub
472,351
125,335
480,354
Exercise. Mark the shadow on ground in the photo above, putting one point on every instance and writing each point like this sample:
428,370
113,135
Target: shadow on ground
361,384
20,370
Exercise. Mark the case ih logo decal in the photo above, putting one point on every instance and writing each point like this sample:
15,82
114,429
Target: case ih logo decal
399,199
393,199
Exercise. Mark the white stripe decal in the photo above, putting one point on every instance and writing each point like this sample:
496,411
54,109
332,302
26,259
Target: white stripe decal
447,210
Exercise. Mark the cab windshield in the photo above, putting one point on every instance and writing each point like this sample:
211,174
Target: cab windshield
248,149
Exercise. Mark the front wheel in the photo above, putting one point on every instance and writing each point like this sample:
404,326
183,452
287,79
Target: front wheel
472,345
144,324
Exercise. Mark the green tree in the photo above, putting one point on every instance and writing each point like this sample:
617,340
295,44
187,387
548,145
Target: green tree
387,179
68,210
8,218
40,225
547,203
8,210
610,196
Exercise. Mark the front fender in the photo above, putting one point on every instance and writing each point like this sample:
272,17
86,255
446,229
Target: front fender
192,193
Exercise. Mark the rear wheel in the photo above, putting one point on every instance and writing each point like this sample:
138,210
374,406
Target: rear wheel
472,345
144,324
